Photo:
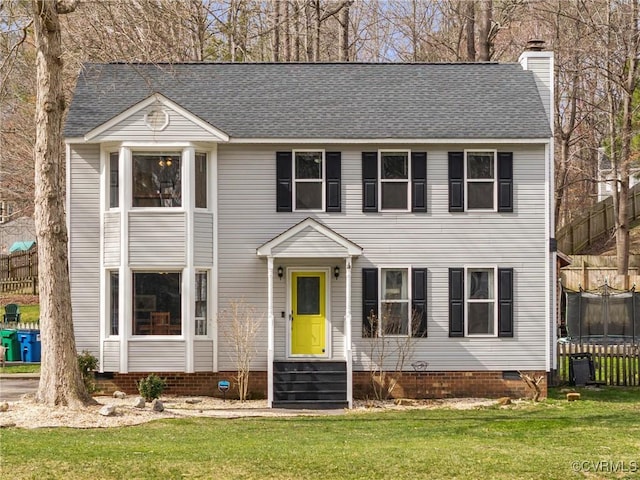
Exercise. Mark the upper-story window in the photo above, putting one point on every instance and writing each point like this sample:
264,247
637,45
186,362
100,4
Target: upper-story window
201,180
481,180
114,180
480,169
308,180
394,180
156,179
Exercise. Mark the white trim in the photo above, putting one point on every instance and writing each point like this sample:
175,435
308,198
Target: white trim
212,201
550,270
389,141
270,332
164,125
359,141
188,196
125,300
494,181
327,309
102,296
493,268
407,180
218,135
348,345
321,180
351,249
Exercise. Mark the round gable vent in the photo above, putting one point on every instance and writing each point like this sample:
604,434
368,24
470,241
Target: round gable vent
156,119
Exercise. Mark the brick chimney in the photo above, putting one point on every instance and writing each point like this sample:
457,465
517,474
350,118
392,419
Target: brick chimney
540,62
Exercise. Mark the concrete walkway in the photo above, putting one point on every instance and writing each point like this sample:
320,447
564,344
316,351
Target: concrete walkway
14,385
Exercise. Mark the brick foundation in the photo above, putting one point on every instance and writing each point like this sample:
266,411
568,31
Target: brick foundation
410,385
479,384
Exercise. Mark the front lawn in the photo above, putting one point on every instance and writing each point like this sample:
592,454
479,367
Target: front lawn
601,433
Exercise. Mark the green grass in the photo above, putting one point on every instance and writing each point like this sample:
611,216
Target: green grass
520,441
29,313
26,368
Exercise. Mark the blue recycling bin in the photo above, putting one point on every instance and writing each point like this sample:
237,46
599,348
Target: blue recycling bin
30,345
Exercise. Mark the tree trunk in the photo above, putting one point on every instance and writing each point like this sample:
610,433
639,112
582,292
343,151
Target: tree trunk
344,34
484,30
276,31
60,379
471,31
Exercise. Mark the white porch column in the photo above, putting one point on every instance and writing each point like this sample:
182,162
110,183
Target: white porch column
270,331
347,334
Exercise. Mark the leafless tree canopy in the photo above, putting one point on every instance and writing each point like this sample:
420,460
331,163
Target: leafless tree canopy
595,42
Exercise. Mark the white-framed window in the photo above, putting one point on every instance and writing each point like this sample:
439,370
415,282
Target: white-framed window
480,167
308,179
201,303
114,179
395,302
113,289
394,177
157,179
157,302
480,297
201,179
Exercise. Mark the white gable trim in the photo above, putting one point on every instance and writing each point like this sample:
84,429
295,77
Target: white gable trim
218,135
351,249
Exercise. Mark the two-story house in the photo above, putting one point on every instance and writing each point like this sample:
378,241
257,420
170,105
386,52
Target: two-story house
345,202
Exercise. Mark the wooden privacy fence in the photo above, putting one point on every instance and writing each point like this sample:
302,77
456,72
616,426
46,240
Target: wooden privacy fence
597,221
19,272
617,365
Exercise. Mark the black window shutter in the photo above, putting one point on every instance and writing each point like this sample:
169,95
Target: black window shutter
505,182
283,181
419,302
456,302
456,181
369,181
419,181
505,302
334,181
369,301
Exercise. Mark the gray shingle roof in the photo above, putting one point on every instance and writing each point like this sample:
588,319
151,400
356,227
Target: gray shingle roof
335,100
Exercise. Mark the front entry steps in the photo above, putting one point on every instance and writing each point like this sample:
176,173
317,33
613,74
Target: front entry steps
310,384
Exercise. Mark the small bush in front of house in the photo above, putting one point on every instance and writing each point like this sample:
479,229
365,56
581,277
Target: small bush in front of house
151,387
88,364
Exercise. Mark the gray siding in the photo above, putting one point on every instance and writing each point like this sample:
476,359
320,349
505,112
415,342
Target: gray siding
436,240
111,245
157,239
134,128
203,239
156,356
203,352
111,360
541,70
84,244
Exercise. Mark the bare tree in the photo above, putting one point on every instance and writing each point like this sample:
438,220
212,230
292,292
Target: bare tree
242,327
485,38
61,382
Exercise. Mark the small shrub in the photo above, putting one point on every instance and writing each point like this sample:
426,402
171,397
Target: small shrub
151,387
88,364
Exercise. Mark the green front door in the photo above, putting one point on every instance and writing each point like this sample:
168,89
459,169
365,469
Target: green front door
308,322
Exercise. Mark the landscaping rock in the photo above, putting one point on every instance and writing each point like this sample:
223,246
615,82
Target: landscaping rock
566,390
572,397
108,411
157,405
193,400
139,402
119,394
4,406
504,401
